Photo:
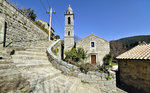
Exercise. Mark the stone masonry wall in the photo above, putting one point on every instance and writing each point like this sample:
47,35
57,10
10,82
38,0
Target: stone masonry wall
2,26
105,85
19,28
135,75
101,48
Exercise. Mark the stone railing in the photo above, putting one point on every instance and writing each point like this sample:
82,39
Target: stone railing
66,68
107,82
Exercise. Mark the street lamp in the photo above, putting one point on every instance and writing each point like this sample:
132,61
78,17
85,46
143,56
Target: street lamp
51,11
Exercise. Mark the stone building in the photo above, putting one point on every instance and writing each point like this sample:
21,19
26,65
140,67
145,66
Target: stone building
134,69
96,46
69,29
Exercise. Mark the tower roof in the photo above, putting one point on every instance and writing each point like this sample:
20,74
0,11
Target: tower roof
69,10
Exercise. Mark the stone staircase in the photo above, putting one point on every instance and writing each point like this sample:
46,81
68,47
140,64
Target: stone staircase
10,78
36,74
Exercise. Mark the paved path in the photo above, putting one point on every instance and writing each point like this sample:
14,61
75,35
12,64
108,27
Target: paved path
35,67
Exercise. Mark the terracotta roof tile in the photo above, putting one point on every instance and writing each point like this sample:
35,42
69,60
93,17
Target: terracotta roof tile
139,52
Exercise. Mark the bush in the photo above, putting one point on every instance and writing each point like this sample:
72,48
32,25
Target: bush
29,13
57,37
42,26
76,55
103,69
56,51
108,59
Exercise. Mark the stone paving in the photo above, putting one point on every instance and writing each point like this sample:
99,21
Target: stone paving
29,71
35,67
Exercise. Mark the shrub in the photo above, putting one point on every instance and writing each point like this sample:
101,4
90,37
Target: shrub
76,55
56,51
42,26
108,77
108,59
103,69
57,37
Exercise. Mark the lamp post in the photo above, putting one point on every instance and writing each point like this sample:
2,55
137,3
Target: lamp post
51,11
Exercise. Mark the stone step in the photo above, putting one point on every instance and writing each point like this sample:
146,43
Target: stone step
28,57
5,57
7,66
31,53
74,86
36,50
62,80
34,47
8,74
45,87
49,86
5,61
38,79
31,61
33,65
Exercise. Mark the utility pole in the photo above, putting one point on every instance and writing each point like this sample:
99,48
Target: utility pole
50,22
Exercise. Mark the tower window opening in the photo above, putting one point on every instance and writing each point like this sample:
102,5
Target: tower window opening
69,21
68,33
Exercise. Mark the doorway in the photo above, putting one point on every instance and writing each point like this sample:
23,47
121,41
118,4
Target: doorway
93,59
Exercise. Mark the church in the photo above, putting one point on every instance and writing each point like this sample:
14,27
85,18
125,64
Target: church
96,46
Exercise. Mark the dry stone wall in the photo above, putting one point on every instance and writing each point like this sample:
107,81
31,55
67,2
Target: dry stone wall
106,85
134,75
19,28
2,25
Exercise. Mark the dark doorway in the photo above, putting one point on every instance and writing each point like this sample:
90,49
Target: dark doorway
93,59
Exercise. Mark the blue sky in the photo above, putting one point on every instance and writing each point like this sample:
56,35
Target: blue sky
108,19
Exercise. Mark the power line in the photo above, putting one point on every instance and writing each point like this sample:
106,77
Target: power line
48,3
43,6
59,22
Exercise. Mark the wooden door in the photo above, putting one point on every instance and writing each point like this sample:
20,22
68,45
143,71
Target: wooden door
93,59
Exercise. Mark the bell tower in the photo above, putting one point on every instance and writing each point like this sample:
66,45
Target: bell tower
69,30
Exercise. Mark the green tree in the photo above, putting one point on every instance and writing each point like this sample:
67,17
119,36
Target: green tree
57,37
108,59
30,13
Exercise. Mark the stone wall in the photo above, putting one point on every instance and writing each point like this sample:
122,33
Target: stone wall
101,48
106,85
19,28
2,26
134,75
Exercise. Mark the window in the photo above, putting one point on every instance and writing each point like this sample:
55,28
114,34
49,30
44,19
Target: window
68,33
92,44
69,21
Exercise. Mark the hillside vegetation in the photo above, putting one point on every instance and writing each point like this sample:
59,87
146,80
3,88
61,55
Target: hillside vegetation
124,44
